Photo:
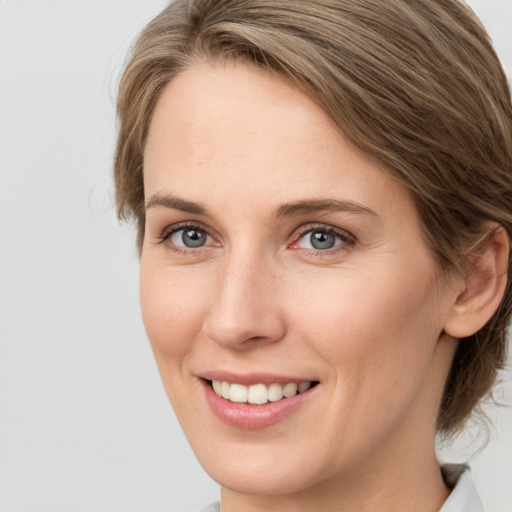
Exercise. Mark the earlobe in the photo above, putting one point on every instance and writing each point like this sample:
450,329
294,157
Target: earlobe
484,286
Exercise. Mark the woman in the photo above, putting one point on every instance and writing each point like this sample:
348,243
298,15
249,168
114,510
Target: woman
323,196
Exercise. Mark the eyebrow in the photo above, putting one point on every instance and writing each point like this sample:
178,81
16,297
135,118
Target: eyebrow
176,203
296,208
308,206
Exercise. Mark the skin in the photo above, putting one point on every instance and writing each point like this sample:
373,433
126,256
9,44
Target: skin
367,318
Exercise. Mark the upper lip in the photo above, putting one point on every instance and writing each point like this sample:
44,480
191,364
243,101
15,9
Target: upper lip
251,378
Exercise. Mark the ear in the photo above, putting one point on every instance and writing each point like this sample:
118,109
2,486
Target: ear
483,287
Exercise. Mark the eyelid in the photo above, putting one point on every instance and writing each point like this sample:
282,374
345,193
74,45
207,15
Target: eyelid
347,238
165,235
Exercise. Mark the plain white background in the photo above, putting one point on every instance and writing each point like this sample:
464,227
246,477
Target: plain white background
84,421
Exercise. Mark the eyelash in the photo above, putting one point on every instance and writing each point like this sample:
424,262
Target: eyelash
170,230
347,240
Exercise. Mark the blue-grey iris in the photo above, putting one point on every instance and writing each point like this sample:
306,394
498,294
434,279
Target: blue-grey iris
322,240
193,238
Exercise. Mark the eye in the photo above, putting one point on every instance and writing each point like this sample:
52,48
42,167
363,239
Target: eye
319,240
323,239
190,237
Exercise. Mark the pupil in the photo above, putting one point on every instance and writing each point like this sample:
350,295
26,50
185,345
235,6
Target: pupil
322,240
193,238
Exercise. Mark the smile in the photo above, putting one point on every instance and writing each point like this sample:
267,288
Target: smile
258,394
262,401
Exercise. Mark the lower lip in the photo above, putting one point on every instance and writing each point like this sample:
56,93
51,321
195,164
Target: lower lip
254,417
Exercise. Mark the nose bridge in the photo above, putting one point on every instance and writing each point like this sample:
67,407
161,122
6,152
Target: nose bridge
245,308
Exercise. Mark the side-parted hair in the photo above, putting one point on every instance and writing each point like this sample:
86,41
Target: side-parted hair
413,84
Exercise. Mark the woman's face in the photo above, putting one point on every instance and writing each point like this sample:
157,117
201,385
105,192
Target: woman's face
275,256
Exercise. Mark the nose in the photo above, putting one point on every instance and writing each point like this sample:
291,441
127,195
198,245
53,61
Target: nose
245,311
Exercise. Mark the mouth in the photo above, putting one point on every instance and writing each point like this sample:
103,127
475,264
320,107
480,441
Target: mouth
253,401
260,393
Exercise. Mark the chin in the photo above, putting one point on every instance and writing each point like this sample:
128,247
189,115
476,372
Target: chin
260,481
262,471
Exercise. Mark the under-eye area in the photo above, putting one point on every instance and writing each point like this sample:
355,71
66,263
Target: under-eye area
259,394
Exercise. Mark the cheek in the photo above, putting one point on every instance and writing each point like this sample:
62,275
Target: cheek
375,327
173,305
358,310
377,335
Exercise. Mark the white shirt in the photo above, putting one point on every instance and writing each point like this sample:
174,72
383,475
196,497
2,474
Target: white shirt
463,497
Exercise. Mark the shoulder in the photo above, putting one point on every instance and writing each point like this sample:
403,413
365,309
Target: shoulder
214,507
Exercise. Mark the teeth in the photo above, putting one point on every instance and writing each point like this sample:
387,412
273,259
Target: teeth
238,393
290,389
304,386
275,392
225,390
258,394
217,387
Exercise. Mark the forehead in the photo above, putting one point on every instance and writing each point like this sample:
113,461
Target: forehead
229,132
236,109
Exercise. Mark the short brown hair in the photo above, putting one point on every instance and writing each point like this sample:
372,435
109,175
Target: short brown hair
415,85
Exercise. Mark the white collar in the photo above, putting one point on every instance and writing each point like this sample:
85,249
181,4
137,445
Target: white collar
464,497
